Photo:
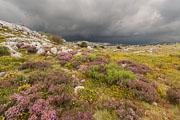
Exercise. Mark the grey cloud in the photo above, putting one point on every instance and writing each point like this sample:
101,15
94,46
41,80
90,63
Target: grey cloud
117,21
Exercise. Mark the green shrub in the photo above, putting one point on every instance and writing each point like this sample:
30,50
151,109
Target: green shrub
10,63
83,44
4,51
87,94
91,57
111,74
103,115
80,58
57,39
2,39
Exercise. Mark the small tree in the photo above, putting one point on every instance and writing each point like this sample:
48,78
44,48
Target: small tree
57,39
83,44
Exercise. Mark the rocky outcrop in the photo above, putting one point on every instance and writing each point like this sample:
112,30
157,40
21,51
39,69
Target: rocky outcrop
18,34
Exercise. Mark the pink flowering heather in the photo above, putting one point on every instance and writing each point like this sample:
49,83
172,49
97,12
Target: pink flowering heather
64,56
174,95
31,49
143,91
41,65
136,68
125,110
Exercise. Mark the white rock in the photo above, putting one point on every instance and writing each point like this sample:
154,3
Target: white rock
83,80
54,50
49,53
154,103
89,47
40,51
78,87
1,73
17,54
64,40
123,65
138,52
79,53
66,50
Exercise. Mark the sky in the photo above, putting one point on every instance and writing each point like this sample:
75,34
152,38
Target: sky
114,21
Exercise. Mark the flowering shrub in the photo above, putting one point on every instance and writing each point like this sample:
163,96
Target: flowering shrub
32,104
87,94
174,96
41,65
64,56
125,110
120,92
15,79
76,64
43,100
111,74
34,78
31,49
73,115
136,68
98,61
143,91
58,77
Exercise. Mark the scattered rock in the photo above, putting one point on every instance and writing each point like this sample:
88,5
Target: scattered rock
54,50
78,87
40,51
49,53
154,103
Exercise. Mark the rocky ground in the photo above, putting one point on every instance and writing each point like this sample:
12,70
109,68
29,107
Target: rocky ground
41,78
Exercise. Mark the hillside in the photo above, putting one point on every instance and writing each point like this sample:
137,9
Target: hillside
44,77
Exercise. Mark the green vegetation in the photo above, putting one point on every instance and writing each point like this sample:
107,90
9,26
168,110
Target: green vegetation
4,51
57,39
110,74
83,44
113,85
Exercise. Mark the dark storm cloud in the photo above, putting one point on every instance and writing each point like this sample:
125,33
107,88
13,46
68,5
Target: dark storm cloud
118,21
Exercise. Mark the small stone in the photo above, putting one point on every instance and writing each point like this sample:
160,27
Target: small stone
40,51
48,53
83,80
78,87
154,103
54,50
2,73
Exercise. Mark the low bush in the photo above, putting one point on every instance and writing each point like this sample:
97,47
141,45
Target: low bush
136,68
119,47
76,115
58,77
87,95
8,63
36,77
57,39
31,49
125,110
174,96
41,65
83,44
111,74
45,99
143,91
4,51
64,56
